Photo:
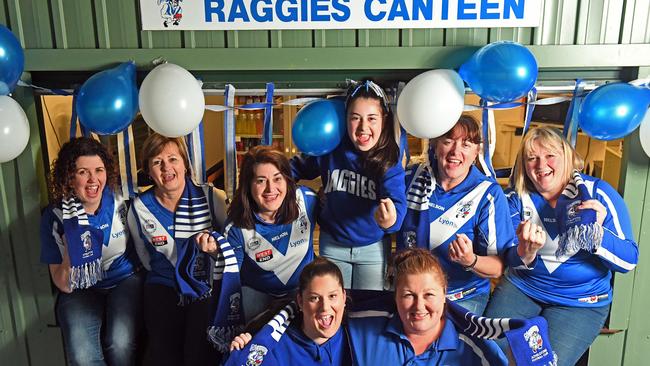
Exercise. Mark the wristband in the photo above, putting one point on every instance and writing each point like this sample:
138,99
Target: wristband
471,266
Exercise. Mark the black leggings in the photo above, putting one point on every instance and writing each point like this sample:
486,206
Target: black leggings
177,335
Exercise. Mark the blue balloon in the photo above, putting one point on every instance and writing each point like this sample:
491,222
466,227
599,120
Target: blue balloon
319,127
612,111
108,101
12,60
500,72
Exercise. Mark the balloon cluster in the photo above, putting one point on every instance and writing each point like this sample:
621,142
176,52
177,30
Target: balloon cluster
14,127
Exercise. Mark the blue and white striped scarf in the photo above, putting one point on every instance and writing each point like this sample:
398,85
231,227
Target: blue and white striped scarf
83,243
578,229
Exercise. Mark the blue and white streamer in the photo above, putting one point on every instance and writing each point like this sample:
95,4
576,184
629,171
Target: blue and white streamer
267,135
127,164
196,151
230,179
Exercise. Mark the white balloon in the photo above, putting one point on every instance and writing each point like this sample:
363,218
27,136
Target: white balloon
171,100
644,133
14,129
431,103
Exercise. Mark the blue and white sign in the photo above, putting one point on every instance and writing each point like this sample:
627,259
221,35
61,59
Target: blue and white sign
337,14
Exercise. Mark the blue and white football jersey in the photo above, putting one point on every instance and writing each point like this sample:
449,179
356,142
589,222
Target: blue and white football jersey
579,278
154,231
271,256
352,197
476,207
119,259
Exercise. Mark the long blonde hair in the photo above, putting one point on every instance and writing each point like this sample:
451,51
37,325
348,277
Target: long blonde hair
552,139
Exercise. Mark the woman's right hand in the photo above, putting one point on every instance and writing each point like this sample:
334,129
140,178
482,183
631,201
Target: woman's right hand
207,243
531,239
240,341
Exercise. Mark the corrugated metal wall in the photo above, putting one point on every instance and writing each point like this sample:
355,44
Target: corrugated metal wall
597,38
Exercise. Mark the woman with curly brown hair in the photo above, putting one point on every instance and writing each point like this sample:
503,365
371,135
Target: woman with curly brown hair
87,245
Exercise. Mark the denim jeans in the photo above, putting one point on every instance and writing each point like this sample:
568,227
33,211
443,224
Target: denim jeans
571,329
362,267
476,305
101,326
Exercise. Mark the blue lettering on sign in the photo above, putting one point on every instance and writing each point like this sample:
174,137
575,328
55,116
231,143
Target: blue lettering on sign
367,9
445,10
238,10
423,7
210,10
266,14
513,6
398,10
316,9
486,5
291,14
463,6
343,12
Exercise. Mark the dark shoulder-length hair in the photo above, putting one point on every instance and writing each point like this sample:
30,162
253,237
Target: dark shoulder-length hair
65,166
385,153
243,207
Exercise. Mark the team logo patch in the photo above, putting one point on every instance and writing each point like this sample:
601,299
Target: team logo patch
159,240
464,209
534,339
264,256
87,242
171,12
253,244
149,226
256,355
410,239
572,212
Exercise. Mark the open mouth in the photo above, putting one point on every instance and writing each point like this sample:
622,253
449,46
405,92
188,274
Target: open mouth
168,177
325,321
270,198
544,174
419,316
92,190
454,163
363,138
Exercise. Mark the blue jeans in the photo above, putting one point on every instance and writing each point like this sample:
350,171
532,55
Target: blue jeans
101,326
476,304
571,329
362,267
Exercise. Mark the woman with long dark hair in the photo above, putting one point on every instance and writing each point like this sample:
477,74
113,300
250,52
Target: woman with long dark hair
270,226
363,183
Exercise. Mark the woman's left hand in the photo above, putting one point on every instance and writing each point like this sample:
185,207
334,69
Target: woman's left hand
601,211
461,250
386,215
207,243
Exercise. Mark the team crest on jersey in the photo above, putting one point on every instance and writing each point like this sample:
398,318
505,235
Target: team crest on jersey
264,256
464,209
159,240
149,226
410,239
302,223
256,355
171,12
534,339
253,243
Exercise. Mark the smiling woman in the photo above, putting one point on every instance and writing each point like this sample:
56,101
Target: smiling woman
163,220
271,225
460,214
85,241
